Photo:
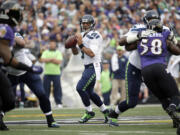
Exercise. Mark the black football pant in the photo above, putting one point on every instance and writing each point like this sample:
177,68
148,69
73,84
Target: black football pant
161,83
7,98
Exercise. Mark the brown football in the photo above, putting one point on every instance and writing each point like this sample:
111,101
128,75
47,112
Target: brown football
71,42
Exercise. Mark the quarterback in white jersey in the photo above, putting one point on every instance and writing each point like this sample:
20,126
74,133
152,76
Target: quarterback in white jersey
89,42
92,40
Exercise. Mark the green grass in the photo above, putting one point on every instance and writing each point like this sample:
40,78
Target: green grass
163,127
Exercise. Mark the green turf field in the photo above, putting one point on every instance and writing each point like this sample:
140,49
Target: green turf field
142,120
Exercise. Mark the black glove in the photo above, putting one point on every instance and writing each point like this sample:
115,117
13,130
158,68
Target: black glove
33,68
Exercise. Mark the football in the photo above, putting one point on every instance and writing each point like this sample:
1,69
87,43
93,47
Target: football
71,42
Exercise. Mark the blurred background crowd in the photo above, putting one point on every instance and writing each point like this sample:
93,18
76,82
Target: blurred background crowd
45,20
57,19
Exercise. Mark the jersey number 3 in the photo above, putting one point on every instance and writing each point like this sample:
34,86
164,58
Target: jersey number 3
155,46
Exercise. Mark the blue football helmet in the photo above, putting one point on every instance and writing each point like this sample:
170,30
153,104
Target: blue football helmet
87,19
156,25
149,15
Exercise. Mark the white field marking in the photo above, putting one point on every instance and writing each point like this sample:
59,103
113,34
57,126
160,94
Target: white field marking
149,105
96,132
70,108
92,124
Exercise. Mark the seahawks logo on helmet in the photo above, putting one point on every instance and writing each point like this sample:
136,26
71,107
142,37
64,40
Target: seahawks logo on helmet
87,19
149,15
10,13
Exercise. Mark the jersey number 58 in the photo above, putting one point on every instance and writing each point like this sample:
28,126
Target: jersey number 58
155,46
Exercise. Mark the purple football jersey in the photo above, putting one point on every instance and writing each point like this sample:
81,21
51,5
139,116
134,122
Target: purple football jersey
153,49
7,33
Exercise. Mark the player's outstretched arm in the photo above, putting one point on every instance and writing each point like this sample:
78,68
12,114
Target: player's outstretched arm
128,46
8,58
174,49
131,38
123,41
132,46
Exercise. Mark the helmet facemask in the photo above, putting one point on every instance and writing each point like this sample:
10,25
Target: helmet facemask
155,25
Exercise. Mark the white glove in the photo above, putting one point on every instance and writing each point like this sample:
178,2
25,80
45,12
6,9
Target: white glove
145,33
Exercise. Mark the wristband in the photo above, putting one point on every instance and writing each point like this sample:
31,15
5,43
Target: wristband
81,46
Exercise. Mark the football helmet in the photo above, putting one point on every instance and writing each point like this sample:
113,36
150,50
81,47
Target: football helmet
10,13
149,15
155,24
89,20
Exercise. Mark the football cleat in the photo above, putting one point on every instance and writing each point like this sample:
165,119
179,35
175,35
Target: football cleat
53,125
175,124
113,118
171,110
2,124
106,113
178,131
113,122
87,116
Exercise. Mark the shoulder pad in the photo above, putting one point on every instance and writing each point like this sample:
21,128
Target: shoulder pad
7,33
93,35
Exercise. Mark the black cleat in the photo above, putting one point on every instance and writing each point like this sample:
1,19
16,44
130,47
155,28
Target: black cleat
178,131
113,118
171,110
53,125
175,124
2,124
106,113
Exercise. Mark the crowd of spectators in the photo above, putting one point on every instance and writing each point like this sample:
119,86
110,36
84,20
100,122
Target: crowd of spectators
45,20
57,19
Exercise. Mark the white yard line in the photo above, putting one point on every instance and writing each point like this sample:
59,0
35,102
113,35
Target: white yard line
99,132
69,108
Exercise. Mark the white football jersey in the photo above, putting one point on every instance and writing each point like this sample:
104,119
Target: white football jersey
92,40
134,57
22,55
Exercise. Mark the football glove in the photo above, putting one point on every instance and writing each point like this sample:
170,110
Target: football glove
144,33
